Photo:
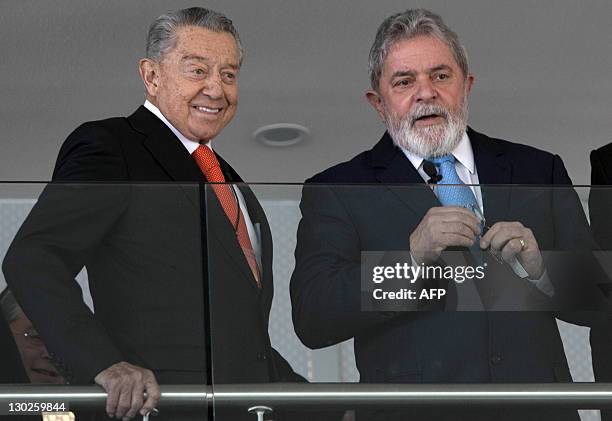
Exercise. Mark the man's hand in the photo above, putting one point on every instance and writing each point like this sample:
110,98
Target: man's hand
512,241
125,384
443,227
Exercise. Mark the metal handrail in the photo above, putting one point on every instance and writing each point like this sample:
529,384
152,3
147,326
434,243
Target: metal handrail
334,395
91,397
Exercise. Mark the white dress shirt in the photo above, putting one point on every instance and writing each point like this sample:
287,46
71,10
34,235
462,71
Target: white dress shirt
191,146
467,172
464,164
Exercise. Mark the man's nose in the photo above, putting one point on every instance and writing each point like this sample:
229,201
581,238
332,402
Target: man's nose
213,87
44,354
426,91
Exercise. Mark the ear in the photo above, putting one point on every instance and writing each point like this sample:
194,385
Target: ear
469,80
375,101
149,73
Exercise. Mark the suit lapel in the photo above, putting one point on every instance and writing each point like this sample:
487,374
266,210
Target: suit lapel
392,168
494,172
258,217
494,169
168,151
220,226
172,156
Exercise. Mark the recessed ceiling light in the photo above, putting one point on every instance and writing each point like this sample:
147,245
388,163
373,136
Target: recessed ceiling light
281,134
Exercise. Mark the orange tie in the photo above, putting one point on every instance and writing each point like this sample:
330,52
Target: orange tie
208,163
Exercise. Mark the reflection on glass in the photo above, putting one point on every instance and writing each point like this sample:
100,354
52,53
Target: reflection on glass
194,318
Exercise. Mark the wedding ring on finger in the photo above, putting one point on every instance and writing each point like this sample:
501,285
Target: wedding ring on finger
523,244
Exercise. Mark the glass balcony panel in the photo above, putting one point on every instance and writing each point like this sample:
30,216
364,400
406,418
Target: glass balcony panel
158,273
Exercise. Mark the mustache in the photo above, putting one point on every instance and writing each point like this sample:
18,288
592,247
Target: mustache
423,110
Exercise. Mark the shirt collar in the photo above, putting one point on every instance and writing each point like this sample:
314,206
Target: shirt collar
463,153
189,144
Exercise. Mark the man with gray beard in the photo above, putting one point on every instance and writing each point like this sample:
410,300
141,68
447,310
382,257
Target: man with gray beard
430,140
420,85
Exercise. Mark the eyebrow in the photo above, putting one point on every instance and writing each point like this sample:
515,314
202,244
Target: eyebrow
441,67
195,57
402,73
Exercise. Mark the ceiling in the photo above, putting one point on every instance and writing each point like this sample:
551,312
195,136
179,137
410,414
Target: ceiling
542,76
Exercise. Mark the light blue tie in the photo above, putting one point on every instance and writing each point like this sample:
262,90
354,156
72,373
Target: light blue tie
458,194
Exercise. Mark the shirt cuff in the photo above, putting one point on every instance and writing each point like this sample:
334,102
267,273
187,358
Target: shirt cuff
543,284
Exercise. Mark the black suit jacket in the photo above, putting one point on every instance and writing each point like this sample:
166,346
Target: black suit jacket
600,199
141,230
429,347
600,209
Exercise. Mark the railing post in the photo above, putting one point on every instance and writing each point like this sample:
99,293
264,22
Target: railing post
260,411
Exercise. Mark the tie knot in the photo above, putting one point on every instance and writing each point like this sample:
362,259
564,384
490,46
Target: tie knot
209,164
444,159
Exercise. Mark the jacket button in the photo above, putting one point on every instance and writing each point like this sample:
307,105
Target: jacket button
261,356
496,359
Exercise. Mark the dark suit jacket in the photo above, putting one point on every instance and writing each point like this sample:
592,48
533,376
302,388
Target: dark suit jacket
600,200
145,250
600,211
429,347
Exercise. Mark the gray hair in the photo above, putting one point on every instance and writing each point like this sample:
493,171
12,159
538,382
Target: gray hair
407,25
10,308
162,32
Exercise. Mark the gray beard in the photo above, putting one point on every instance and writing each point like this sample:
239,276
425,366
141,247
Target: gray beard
431,141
